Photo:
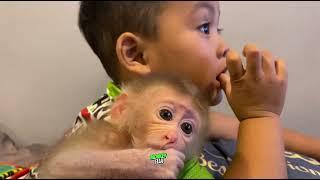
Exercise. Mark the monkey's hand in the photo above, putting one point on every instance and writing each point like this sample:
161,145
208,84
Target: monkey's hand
93,163
169,168
260,89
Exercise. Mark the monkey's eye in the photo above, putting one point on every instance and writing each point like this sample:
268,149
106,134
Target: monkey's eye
186,128
165,114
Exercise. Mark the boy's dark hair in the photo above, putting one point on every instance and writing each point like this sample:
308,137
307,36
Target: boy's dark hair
102,22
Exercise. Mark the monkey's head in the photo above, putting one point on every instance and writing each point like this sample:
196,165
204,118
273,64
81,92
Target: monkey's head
162,112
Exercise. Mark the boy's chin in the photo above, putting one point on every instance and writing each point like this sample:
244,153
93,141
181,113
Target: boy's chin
217,99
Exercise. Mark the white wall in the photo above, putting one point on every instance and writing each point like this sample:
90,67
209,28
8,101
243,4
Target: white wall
48,72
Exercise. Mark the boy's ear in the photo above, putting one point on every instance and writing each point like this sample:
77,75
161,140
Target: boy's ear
130,52
119,106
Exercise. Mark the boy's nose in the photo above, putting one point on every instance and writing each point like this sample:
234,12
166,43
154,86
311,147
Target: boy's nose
222,49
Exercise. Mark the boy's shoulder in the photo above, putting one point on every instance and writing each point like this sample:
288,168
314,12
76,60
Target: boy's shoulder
95,111
99,110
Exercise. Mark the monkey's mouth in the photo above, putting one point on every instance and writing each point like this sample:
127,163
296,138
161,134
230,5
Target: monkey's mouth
162,146
168,146
155,146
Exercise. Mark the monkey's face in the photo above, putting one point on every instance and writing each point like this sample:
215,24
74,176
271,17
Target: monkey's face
166,119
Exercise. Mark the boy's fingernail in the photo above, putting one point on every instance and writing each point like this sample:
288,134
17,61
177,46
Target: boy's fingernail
232,55
248,48
254,54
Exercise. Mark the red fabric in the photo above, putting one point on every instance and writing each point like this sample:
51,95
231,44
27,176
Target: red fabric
20,173
85,114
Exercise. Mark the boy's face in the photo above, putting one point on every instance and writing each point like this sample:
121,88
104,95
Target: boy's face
189,45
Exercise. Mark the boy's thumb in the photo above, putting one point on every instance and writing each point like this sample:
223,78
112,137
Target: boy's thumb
225,83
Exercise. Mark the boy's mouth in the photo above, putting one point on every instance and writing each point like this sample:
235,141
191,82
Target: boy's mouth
216,81
224,70
217,94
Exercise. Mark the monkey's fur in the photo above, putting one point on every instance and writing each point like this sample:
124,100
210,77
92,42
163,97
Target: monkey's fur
156,111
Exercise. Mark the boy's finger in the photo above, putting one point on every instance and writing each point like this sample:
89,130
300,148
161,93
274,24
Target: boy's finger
281,69
268,64
254,61
249,47
225,83
234,65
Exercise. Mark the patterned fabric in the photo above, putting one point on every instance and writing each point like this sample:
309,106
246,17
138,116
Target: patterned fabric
99,110
193,170
11,171
217,157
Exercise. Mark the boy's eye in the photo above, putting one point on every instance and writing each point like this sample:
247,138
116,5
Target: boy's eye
186,128
165,114
205,28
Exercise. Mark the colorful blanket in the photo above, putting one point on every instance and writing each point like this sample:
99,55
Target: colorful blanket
12,171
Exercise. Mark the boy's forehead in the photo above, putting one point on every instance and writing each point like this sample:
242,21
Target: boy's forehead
194,5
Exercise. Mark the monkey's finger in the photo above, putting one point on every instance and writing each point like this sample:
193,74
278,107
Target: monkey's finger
254,60
281,69
181,155
180,164
179,158
234,65
225,83
268,63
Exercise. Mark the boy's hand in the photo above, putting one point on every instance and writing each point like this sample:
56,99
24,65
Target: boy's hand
260,89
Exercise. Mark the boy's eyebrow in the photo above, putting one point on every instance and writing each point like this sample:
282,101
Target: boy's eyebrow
207,5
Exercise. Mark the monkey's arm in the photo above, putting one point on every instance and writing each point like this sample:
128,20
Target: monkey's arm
92,152
224,126
260,151
100,164
87,155
91,163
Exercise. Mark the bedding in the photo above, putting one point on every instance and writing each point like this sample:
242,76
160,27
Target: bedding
17,161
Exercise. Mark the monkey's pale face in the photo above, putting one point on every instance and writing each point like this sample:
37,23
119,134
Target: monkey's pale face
169,121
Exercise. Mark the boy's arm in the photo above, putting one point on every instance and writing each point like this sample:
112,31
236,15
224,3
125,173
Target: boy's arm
259,150
224,126
303,144
256,95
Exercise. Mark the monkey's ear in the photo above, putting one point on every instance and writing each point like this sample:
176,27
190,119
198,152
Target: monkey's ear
119,106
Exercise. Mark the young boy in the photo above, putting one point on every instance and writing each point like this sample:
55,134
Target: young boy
182,38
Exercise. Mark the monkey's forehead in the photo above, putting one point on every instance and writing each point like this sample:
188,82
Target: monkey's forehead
185,110
156,96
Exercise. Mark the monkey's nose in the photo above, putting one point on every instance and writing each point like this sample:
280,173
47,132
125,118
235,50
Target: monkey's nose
170,138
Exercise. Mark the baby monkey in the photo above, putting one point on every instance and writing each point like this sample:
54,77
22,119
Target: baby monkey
157,112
